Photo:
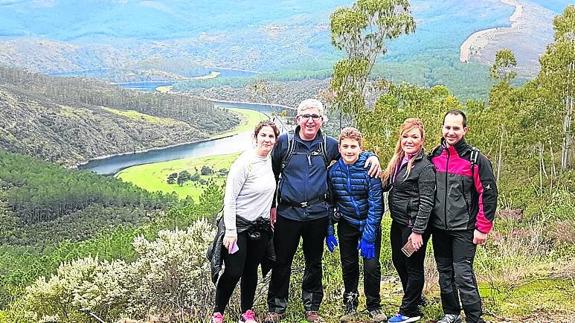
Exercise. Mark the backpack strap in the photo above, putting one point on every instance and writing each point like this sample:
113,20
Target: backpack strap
323,151
291,149
473,157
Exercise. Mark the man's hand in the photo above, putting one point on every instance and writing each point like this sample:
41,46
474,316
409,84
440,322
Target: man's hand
479,237
416,240
273,217
374,167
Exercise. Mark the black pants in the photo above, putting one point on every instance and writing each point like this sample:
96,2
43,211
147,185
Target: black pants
242,264
286,239
454,253
349,236
410,269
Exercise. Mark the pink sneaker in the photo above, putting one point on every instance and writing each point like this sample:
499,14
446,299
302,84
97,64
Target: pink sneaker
218,318
248,317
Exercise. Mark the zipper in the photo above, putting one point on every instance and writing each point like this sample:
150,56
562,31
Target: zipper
446,188
348,185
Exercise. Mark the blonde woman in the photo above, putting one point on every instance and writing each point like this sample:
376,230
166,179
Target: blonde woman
410,180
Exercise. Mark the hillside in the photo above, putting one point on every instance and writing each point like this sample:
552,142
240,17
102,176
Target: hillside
69,120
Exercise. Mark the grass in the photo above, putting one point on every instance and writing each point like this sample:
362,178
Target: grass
250,119
152,177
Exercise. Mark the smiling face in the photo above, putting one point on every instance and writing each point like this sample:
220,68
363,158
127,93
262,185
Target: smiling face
411,141
349,150
453,129
310,121
265,140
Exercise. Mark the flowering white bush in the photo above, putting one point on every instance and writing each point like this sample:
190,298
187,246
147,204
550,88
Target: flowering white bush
173,272
170,278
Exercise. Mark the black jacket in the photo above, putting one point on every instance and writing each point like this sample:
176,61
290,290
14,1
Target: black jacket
216,249
466,196
411,199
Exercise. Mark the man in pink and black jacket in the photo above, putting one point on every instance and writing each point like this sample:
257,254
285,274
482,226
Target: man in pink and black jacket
462,217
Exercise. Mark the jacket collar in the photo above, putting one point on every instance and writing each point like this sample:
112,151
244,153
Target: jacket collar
358,163
461,147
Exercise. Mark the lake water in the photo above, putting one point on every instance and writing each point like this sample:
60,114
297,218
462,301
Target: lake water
112,165
237,143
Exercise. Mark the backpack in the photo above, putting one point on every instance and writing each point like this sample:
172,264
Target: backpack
291,150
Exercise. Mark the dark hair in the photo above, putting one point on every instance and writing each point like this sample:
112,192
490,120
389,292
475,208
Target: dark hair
268,123
457,112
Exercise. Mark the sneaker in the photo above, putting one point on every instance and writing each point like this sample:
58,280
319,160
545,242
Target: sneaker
273,317
218,317
398,318
377,315
450,318
313,316
248,317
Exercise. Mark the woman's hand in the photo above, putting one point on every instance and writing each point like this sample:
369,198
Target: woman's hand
416,240
229,241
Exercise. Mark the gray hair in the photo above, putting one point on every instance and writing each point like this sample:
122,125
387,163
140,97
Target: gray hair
310,104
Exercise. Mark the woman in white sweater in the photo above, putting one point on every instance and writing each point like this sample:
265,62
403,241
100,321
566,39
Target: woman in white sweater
248,198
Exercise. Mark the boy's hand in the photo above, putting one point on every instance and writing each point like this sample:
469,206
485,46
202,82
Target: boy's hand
331,242
367,249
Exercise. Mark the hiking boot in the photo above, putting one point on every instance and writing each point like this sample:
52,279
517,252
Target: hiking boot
398,318
248,317
422,301
313,316
377,315
273,317
450,318
349,314
350,311
218,317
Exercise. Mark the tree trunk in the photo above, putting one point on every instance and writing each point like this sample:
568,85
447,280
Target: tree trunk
567,136
567,119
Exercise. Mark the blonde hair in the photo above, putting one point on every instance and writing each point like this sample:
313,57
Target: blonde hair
351,133
393,165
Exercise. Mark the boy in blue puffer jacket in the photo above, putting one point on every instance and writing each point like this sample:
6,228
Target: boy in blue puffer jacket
359,207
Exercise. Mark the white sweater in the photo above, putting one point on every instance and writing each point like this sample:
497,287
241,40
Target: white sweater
250,189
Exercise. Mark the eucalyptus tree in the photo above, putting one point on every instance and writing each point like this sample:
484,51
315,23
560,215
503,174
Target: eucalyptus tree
557,77
361,32
503,69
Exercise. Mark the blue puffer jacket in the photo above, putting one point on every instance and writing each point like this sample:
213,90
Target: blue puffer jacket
357,197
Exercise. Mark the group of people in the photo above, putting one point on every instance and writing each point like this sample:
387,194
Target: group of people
305,185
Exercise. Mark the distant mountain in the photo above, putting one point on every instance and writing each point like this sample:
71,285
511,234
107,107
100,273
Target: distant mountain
69,120
123,40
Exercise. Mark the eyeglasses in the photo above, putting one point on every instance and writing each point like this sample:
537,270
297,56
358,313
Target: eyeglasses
307,116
